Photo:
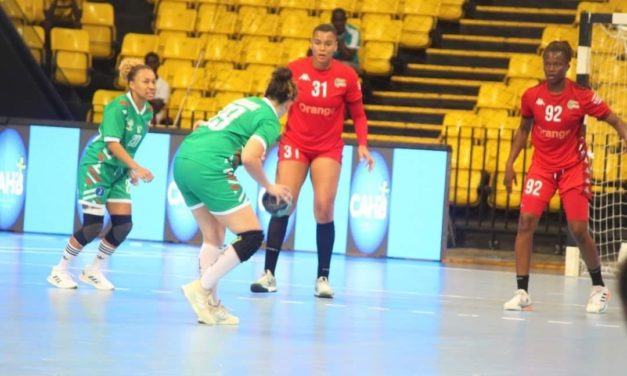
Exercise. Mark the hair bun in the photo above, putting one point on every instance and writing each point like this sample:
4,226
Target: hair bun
282,74
126,65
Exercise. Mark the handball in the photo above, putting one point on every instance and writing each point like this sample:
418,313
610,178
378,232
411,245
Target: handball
275,206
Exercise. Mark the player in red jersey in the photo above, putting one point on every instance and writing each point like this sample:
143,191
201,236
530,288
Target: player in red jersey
312,143
553,111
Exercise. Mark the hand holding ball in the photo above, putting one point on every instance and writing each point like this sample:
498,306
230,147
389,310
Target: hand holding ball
276,206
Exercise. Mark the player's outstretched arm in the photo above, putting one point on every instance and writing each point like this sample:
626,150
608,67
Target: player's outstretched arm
519,142
252,157
618,124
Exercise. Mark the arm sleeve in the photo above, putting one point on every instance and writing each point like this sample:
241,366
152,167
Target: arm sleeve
526,109
113,124
356,109
593,105
267,132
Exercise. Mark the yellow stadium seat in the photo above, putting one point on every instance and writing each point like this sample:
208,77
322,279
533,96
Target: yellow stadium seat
138,45
195,109
348,5
190,79
296,4
500,199
294,49
325,17
224,98
466,154
34,37
525,66
182,48
375,58
100,99
257,3
620,6
495,96
451,10
381,28
170,5
180,21
238,81
168,68
216,19
32,9
71,56
98,20
255,21
220,48
552,33
295,25
213,67
421,7
503,123
416,30
262,75
461,119
463,187
268,53
378,6
612,71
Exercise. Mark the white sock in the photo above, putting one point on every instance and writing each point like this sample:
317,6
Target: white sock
224,264
69,254
209,253
104,252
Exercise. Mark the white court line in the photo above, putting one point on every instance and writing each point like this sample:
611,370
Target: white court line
473,315
560,322
608,326
378,308
122,289
335,305
248,298
161,291
292,301
423,312
513,318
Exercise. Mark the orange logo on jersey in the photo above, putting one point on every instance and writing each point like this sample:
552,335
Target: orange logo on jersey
340,82
572,104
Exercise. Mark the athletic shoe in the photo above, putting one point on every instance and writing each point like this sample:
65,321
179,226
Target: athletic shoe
93,276
62,278
323,289
520,302
198,298
266,283
599,297
222,316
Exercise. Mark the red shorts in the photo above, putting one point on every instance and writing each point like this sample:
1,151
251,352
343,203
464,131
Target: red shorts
573,185
291,151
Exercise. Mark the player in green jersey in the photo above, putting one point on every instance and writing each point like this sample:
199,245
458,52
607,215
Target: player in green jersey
204,173
105,174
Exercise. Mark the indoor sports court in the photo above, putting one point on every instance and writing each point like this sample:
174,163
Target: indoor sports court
389,317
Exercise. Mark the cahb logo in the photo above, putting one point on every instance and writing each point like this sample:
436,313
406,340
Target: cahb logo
12,169
181,219
369,204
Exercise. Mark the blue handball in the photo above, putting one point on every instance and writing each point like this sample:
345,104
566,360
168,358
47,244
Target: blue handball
275,206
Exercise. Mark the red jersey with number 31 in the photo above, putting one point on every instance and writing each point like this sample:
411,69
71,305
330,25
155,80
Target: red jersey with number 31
316,119
558,133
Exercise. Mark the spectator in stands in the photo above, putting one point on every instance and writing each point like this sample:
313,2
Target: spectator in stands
553,112
105,174
162,94
312,145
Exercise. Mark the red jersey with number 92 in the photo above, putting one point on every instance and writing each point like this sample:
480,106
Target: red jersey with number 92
557,133
316,119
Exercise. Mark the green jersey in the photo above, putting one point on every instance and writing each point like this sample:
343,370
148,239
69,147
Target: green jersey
122,122
220,139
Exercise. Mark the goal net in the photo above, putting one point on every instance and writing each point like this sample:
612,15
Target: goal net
607,75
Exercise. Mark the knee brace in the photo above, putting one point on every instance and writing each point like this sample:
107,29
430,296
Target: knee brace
121,226
92,225
247,243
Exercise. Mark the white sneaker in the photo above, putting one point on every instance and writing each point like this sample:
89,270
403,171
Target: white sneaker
94,277
323,288
62,278
222,316
599,297
266,283
520,302
198,298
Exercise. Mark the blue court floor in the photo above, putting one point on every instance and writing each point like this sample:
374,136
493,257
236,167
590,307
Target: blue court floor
389,317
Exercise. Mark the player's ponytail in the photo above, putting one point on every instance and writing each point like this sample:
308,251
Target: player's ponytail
129,67
281,87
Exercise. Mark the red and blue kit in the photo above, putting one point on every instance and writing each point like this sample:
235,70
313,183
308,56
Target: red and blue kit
560,158
316,119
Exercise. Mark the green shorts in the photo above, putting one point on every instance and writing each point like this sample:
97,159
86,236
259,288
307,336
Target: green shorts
216,188
101,183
